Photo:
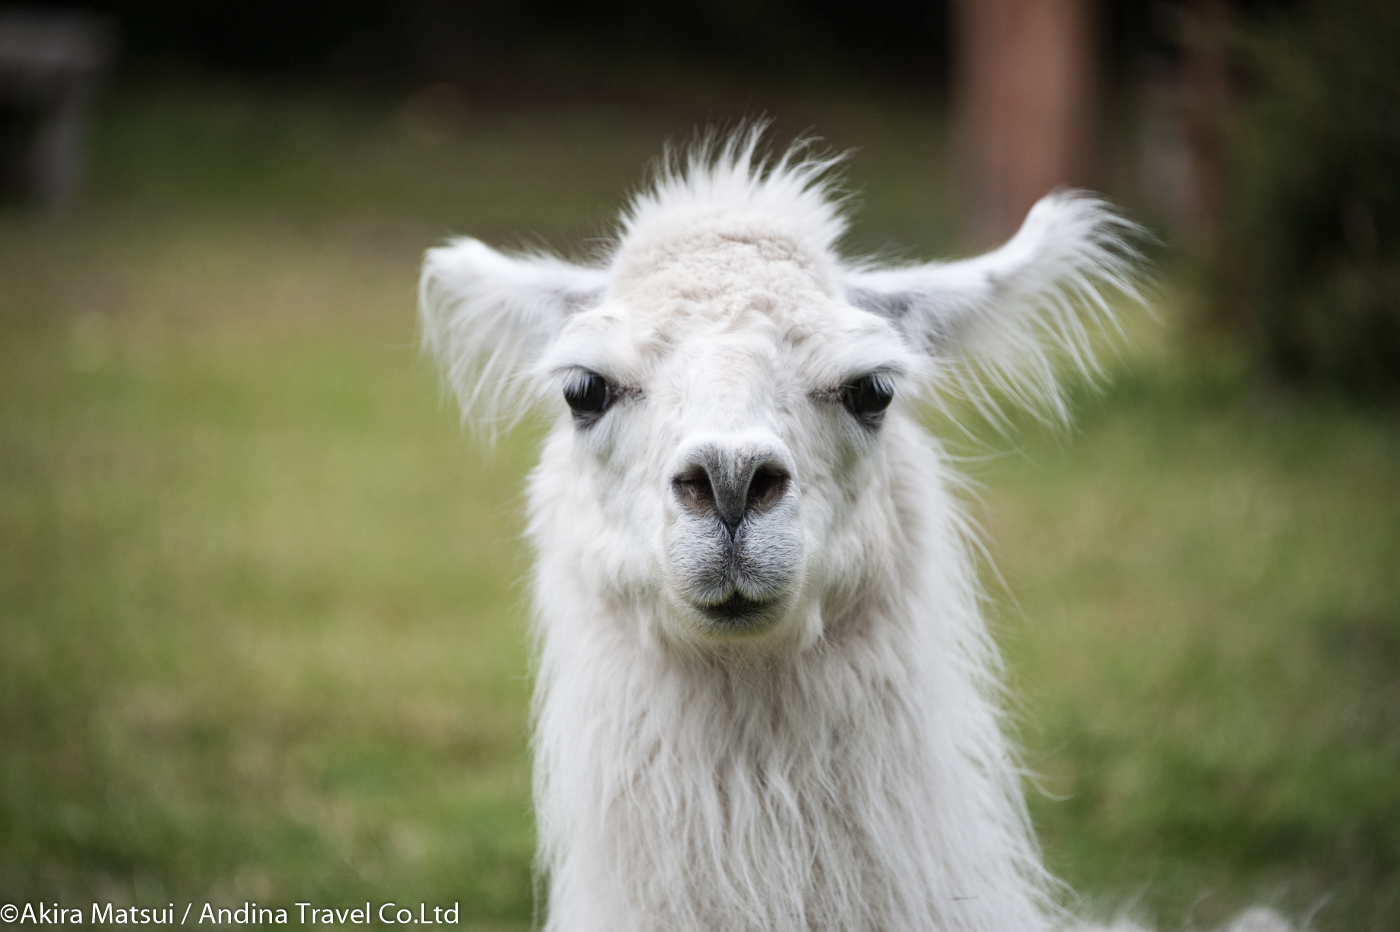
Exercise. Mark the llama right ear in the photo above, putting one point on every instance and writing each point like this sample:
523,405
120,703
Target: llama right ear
997,320
487,316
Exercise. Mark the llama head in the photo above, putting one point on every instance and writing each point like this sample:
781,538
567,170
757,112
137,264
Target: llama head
730,397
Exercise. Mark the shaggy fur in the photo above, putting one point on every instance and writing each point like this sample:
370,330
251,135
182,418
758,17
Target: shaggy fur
830,758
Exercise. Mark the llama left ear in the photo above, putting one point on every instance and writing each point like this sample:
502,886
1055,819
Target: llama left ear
1001,315
488,316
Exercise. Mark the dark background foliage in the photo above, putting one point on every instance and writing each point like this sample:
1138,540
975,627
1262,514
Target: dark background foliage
378,41
1308,267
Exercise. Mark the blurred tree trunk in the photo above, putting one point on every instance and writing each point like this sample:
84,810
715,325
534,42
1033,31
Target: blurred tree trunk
1024,86
1206,100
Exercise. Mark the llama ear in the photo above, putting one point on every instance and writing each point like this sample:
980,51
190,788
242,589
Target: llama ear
487,317
996,320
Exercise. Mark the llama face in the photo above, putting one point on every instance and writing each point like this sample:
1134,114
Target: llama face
723,439
728,395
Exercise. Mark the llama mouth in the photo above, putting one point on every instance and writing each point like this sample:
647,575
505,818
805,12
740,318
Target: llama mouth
736,608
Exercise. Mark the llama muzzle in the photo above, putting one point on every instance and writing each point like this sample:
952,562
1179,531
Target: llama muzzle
734,545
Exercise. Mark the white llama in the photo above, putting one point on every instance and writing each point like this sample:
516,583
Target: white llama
766,697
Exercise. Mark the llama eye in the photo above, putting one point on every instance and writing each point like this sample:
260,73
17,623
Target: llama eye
868,396
588,396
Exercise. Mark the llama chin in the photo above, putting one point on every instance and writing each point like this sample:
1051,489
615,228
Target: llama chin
766,697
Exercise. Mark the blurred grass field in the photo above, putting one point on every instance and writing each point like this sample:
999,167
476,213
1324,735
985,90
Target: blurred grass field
261,628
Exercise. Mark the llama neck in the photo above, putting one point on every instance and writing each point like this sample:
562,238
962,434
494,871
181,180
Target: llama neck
823,790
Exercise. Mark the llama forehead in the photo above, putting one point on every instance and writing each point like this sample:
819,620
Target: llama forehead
712,251
690,346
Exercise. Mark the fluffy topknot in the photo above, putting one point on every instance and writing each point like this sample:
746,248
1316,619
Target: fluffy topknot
726,185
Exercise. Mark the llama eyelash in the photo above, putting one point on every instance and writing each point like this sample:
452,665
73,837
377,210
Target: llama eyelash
591,395
880,381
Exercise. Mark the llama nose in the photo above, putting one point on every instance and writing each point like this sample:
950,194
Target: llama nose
731,484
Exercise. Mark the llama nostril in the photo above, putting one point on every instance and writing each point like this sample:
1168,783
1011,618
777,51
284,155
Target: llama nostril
694,492
766,488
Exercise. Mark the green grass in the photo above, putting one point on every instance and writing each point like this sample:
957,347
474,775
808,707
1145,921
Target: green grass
1208,652
261,628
